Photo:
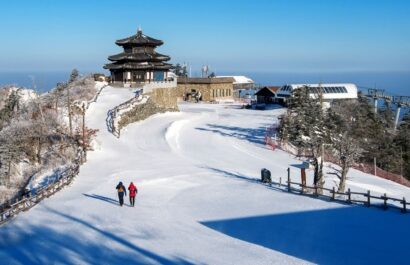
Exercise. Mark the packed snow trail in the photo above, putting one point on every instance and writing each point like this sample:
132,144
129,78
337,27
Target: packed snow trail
198,201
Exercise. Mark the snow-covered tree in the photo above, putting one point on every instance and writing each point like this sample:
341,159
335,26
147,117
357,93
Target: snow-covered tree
181,70
304,126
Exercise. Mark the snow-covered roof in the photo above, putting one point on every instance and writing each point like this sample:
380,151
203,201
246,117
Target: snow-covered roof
330,91
239,79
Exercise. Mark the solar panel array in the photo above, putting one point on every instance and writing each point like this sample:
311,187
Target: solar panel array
325,89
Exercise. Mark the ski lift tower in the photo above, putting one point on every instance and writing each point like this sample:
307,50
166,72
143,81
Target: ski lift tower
376,94
400,101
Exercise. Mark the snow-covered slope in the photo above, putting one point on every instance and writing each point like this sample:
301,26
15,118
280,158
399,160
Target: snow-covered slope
198,201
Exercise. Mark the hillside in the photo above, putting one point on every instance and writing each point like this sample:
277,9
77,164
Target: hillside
198,201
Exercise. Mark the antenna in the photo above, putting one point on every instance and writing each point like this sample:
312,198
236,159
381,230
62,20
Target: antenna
205,69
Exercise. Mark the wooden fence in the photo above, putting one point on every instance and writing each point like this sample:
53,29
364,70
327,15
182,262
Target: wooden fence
349,197
26,201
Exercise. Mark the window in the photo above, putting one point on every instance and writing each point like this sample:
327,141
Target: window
158,76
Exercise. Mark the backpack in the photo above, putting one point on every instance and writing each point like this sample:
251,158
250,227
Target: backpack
121,189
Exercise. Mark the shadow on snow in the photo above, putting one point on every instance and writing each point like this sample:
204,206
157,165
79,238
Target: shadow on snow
346,235
253,135
39,244
102,198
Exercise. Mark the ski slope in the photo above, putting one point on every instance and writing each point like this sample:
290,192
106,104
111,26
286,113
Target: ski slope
198,201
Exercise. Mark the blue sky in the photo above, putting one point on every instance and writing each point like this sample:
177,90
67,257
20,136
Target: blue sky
257,36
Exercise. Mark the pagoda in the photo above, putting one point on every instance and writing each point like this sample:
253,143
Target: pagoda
139,63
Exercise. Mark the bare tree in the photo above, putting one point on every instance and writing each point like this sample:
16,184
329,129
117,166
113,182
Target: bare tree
345,143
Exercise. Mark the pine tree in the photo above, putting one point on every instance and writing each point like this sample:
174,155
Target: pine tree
304,126
12,105
402,141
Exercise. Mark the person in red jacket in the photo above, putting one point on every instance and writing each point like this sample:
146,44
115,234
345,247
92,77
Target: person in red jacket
132,191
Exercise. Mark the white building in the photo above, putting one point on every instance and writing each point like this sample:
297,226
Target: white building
241,82
330,92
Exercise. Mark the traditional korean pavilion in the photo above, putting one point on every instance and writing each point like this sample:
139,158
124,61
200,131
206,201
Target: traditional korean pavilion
139,63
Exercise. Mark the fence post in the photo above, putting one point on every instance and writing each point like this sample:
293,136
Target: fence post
349,199
404,210
333,193
368,198
316,194
29,200
280,182
288,179
385,201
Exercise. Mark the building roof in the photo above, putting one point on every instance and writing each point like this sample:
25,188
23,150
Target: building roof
268,89
330,91
205,80
240,79
139,39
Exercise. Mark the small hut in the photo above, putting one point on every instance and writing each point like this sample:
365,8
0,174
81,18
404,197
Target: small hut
266,95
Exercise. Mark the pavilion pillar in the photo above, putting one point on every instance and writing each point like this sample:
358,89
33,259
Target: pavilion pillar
146,76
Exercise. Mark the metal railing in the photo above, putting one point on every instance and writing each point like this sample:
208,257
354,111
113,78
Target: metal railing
113,114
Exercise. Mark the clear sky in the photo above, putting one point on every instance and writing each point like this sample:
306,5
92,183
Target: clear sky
254,35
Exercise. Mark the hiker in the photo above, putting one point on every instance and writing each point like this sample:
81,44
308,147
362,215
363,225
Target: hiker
132,191
121,191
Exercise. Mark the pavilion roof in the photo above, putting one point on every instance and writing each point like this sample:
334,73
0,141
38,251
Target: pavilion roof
143,57
138,66
139,39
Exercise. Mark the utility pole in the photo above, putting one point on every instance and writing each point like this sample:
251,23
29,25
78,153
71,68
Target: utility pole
375,167
401,163
69,111
43,124
83,114
322,144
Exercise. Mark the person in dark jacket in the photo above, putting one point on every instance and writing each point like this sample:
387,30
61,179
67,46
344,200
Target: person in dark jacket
132,191
121,192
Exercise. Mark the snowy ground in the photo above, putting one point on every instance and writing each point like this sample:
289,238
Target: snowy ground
198,202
